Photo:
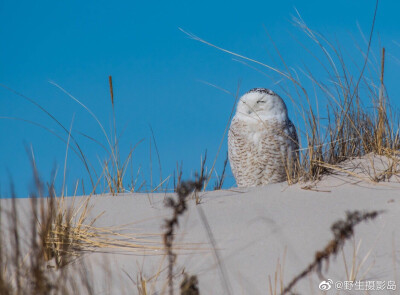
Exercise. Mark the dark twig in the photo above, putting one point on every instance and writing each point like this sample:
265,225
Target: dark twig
342,231
178,206
189,285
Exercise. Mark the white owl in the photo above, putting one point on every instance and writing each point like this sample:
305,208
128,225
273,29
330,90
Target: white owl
262,141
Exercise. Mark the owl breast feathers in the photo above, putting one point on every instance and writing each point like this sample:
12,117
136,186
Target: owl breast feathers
262,141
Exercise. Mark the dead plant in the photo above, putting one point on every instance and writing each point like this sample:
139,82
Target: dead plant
179,207
342,230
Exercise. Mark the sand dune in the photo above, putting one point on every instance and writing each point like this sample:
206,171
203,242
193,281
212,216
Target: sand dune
254,229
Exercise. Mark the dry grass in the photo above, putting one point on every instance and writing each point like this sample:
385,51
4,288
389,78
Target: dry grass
114,169
26,264
276,286
219,182
353,270
350,127
142,286
59,226
38,261
205,174
65,231
140,283
352,131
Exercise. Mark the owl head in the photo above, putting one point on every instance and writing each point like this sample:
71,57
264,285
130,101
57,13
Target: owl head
261,104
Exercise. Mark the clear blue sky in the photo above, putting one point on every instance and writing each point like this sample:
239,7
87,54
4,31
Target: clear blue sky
157,72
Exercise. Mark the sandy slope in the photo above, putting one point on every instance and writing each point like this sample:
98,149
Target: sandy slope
252,228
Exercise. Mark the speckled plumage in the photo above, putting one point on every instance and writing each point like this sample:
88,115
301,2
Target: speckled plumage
262,141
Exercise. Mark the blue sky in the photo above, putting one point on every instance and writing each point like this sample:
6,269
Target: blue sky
158,74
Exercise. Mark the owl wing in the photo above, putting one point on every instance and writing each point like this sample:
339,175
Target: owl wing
239,152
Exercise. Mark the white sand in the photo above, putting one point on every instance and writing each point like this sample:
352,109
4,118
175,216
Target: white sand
253,228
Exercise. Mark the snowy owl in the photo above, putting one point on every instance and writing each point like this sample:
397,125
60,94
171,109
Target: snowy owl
262,141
